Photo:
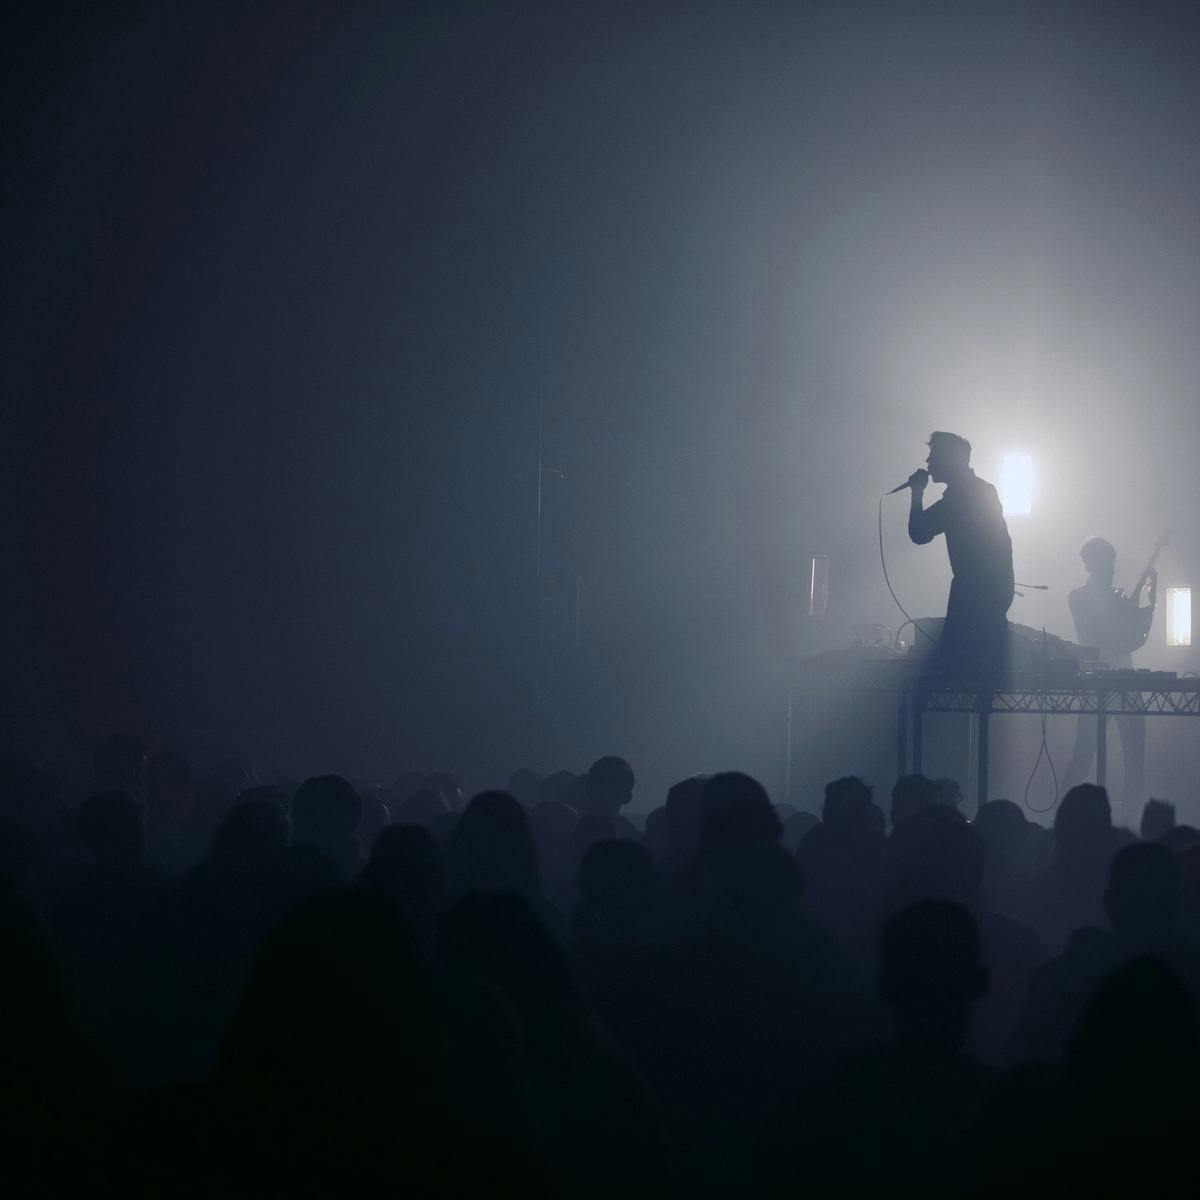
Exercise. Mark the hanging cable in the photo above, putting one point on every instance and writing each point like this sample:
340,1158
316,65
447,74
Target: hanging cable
883,563
1043,752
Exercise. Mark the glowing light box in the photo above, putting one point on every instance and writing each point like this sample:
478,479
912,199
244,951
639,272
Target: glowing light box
1016,485
1179,616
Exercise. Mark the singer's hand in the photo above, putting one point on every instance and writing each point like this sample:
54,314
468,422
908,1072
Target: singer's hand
918,480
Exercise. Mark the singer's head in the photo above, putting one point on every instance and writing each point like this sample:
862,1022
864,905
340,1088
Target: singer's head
949,456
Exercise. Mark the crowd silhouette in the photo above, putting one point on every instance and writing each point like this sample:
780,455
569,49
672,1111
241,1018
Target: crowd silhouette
214,982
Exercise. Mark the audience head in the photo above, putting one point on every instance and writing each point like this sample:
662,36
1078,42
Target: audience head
491,848
326,814
1157,817
609,785
255,828
1004,830
1083,824
911,794
736,811
847,804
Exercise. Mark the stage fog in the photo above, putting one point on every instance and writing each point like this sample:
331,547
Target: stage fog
470,386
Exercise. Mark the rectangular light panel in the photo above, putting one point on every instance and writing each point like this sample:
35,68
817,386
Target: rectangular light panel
1179,616
1016,485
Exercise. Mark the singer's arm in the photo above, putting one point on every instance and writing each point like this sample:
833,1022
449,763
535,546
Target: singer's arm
924,524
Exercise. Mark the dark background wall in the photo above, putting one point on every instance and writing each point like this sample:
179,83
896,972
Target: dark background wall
290,284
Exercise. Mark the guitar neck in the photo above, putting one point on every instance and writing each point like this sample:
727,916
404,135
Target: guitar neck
1145,575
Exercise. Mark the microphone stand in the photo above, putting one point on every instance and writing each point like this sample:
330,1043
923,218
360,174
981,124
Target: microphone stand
1033,587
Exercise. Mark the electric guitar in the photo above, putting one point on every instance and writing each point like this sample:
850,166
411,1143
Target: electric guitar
1137,620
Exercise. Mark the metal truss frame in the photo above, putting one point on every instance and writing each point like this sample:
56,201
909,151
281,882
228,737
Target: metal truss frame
1167,702
915,700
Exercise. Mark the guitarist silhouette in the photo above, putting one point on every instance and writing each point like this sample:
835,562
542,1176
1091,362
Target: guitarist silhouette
1117,624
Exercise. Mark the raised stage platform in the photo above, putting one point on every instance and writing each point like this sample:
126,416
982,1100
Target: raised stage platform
1101,694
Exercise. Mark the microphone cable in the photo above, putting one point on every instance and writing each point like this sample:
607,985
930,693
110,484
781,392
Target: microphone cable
883,563
1043,750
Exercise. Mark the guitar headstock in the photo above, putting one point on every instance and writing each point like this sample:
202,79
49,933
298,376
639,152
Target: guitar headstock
1165,540
1135,592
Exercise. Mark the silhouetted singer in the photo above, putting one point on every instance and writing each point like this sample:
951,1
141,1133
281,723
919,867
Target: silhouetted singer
972,645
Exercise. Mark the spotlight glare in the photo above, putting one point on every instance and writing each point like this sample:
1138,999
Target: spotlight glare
1016,485
1179,616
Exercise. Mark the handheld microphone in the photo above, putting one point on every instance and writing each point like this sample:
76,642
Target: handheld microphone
906,484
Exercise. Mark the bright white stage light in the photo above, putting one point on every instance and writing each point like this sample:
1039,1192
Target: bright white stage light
1179,616
1016,485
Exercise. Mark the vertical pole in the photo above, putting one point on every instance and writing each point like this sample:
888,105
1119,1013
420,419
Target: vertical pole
901,732
1101,738
917,738
983,705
